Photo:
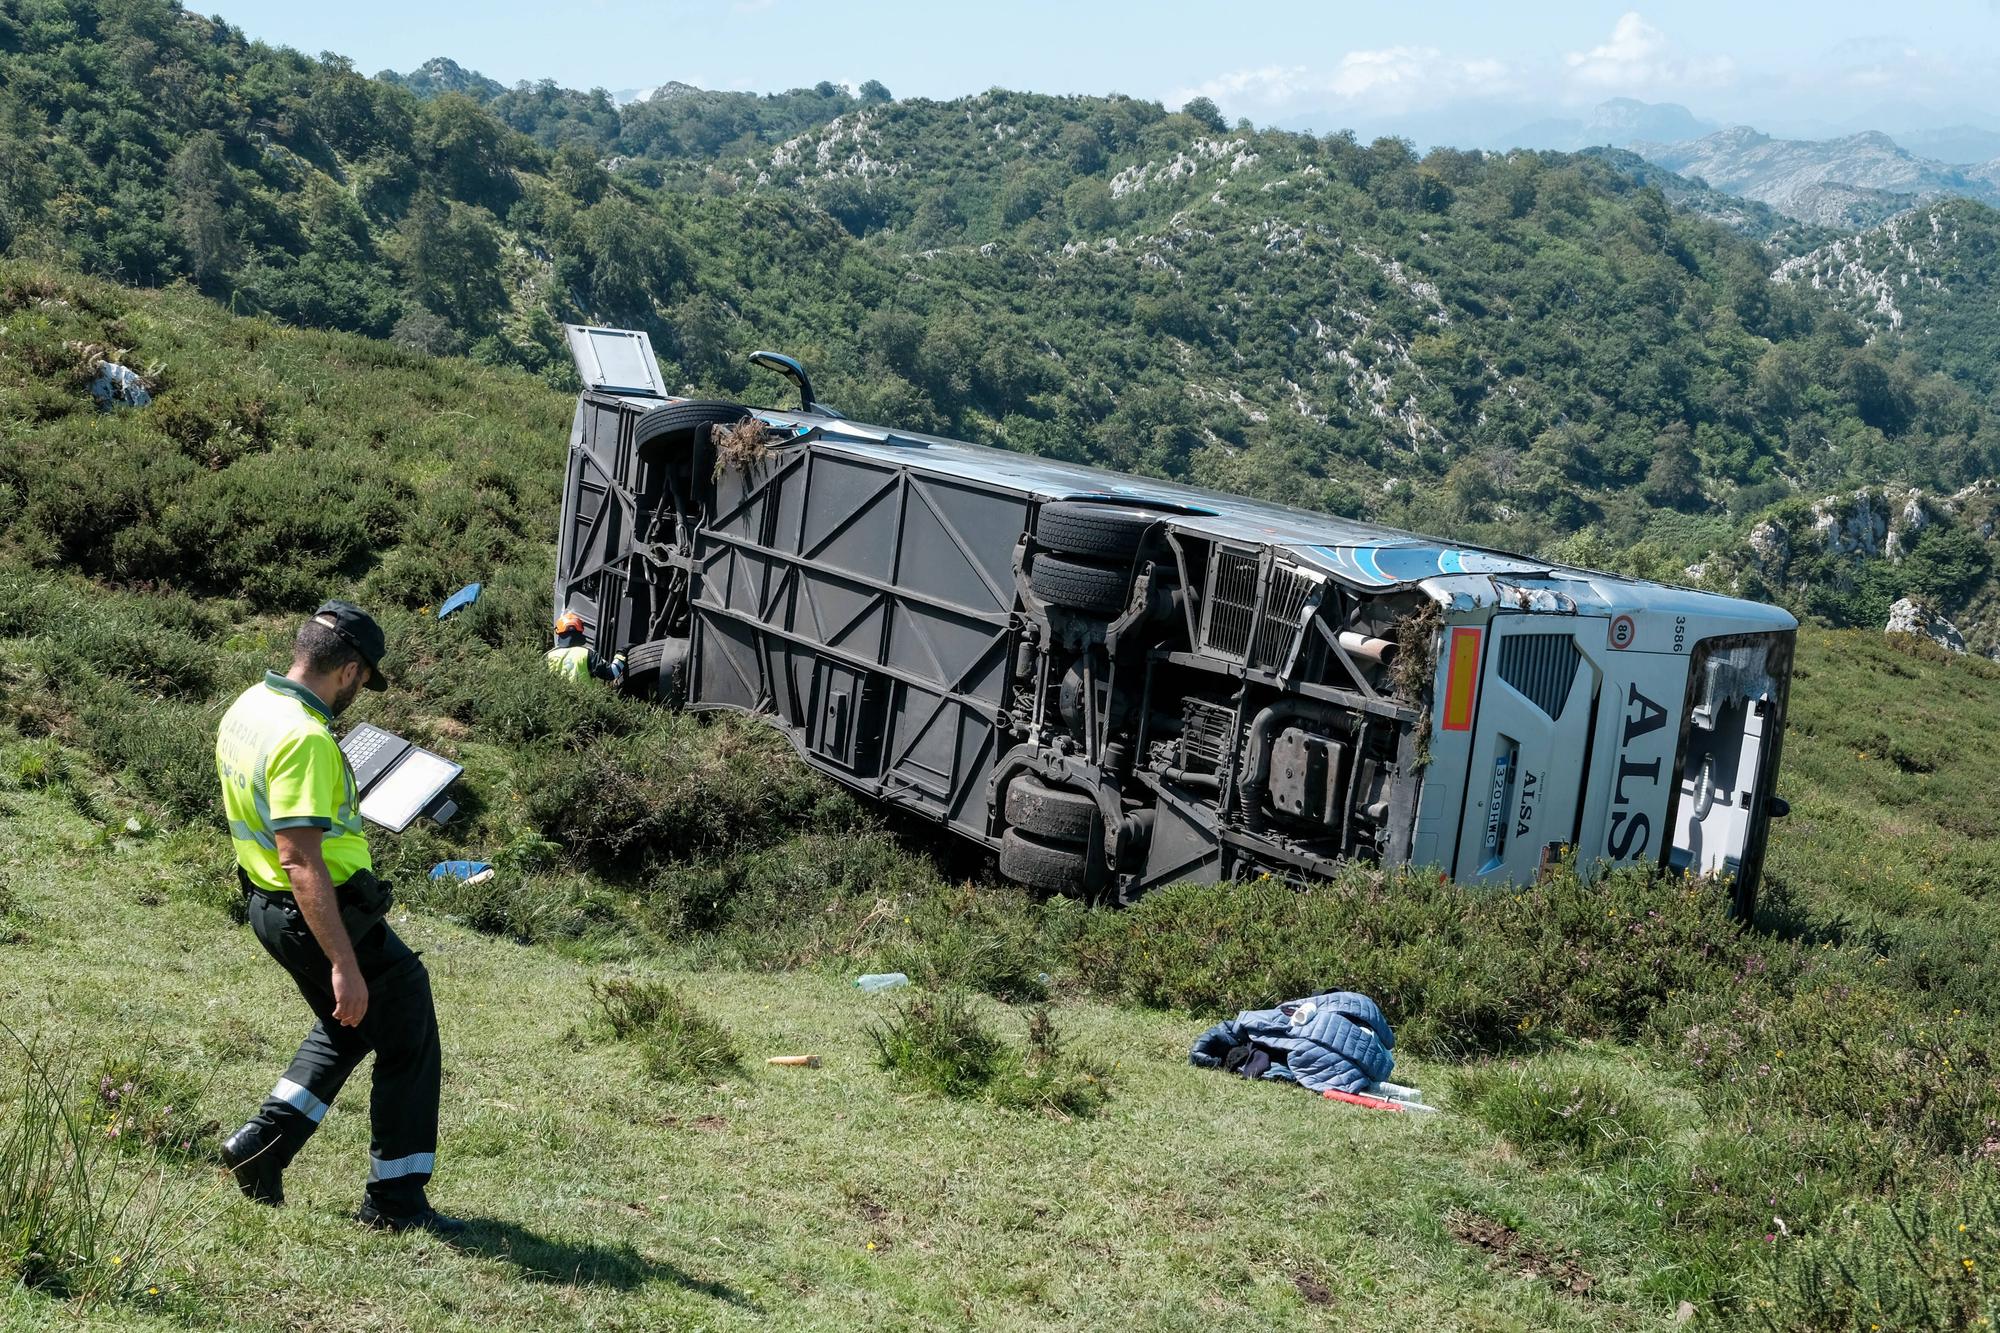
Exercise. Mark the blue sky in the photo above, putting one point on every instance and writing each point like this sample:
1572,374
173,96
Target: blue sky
1793,66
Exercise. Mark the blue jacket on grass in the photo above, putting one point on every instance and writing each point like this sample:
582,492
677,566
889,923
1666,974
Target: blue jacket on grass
1339,1040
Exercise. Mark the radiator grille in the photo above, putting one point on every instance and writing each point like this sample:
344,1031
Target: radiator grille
1231,604
1205,729
1541,666
1290,591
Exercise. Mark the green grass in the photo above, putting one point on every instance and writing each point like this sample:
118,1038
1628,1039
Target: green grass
604,1197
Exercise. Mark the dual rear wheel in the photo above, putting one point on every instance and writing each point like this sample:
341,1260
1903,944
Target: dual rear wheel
1047,845
1086,559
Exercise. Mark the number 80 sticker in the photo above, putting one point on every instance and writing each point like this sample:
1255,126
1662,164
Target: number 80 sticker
1623,631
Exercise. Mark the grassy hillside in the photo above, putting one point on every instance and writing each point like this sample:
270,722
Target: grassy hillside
1636,1089
1535,348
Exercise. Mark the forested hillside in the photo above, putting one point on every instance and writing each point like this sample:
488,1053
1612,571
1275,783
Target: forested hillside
1533,349
1928,280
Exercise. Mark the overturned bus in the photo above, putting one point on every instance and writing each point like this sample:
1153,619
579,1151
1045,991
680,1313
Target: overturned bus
1115,683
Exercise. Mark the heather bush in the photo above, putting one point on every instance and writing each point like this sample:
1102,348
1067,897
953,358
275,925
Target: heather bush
677,789
940,1042
1927,1262
1459,971
1562,1110
676,1041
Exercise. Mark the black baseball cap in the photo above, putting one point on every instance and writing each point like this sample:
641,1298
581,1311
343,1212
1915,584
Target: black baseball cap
362,634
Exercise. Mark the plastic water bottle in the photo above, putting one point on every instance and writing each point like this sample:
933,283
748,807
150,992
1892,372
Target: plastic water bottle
875,981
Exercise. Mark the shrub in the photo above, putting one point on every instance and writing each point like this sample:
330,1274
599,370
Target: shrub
812,897
939,1042
1924,1263
530,908
167,748
985,938
677,1042
1561,1110
1054,1079
1458,971
677,789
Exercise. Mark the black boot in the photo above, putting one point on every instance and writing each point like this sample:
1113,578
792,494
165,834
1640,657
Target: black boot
254,1163
421,1218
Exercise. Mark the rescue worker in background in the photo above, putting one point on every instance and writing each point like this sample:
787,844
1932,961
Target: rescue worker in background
317,908
572,660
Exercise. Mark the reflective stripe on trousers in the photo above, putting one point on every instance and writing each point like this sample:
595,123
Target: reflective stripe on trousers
300,1098
416,1164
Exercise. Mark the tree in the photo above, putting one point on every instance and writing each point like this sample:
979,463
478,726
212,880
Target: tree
451,261
468,151
199,176
1204,112
874,93
26,183
634,261
1081,148
1674,479
1946,565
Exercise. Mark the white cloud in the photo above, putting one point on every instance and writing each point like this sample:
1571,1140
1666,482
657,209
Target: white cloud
1396,78
1639,58
1636,58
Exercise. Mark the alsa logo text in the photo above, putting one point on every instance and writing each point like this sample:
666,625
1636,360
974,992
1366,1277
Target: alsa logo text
1632,828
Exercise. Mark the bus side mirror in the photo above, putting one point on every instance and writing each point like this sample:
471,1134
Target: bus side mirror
796,373
1777,807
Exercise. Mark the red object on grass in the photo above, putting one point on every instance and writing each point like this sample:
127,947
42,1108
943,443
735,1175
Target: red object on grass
1373,1103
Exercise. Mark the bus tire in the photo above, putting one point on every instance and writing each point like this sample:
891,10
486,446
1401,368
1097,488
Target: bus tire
1110,532
1040,865
1080,585
674,427
1050,814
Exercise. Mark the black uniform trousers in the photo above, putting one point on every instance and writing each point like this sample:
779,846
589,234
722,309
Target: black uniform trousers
400,1028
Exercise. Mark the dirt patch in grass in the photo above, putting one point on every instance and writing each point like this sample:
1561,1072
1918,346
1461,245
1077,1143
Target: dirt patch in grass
1311,1290
1521,1255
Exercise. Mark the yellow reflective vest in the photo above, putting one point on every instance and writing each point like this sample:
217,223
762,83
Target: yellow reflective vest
280,769
570,663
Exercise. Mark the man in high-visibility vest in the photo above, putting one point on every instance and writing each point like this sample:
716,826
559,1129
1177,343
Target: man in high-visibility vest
317,908
572,659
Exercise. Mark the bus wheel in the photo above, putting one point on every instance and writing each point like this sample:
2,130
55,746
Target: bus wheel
1109,532
1080,585
1040,865
1051,814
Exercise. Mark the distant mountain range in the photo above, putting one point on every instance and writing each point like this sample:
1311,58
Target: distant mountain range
1852,182
1499,125
1846,181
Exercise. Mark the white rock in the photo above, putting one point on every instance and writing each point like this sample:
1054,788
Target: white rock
1910,520
1772,546
1859,528
1911,617
116,386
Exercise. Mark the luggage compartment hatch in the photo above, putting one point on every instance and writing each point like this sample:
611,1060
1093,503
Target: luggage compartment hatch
615,361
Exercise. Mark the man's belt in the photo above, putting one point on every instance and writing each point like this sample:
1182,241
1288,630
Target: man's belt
364,899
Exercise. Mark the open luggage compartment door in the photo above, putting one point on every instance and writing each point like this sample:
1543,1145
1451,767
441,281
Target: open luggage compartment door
615,361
